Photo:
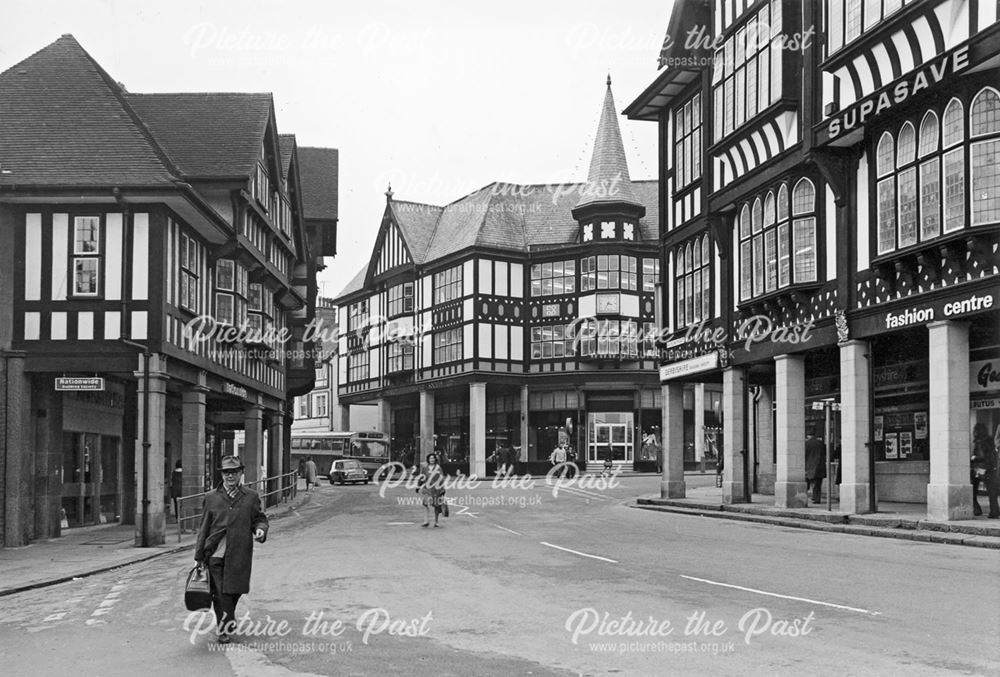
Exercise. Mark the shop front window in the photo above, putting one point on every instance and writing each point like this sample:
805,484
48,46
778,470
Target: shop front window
610,435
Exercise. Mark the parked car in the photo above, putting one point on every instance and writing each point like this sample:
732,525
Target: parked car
347,471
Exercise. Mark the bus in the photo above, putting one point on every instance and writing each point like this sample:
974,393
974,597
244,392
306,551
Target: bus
369,447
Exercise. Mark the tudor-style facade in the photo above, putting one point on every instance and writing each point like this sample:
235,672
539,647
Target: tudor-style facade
125,225
512,318
850,203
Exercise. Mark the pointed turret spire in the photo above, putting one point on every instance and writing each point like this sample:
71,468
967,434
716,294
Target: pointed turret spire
608,180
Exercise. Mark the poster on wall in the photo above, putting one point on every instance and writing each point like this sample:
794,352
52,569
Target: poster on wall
878,428
920,424
905,444
891,448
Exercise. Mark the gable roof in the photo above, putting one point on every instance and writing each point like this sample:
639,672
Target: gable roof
286,144
208,135
64,121
319,169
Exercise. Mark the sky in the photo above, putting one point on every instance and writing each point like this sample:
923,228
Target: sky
439,98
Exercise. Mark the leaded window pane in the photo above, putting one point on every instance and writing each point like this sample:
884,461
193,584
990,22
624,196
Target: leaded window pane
929,132
805,250
954,190
985,182
886,215
907,195
954,123
985,113
906,146
930,199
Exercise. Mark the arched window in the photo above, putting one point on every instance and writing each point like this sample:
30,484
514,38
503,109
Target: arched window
928,134
954,123
687,258
984,116
984,128
745,221
783,202
884,157
757,216
804,267
769,209
906,187
803,197
705,249
706,283
906,146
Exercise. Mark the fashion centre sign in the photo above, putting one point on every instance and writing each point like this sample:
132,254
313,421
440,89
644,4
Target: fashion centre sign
898,93
945,309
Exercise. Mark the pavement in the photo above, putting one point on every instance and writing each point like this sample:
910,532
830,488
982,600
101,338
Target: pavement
906,521
86,551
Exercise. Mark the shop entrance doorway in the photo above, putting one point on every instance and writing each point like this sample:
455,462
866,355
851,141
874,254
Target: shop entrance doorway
612,432
90,488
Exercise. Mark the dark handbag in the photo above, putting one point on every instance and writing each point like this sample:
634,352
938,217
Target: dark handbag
444,507
197,592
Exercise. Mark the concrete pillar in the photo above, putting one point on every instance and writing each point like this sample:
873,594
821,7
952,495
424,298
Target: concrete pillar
672,481
253,442
523,456
193,448
385,416
157,411
790,431
948,493
699,423
275,454
855,416
47,420
765,442
477,429
343,418
426,425
734,421
16,452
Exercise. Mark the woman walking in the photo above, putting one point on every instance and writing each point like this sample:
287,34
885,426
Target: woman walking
432,488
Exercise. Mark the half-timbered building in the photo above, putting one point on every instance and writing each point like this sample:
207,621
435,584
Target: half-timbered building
158,279
839,178
512,319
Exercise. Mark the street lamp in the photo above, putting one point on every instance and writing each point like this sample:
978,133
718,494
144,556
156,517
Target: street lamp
826,405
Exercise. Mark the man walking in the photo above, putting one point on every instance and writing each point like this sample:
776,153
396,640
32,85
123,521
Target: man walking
815,463
232,520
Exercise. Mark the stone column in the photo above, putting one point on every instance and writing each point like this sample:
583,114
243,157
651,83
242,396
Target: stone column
385,417
156,529
765,442
734,421
253,441
16,450
790,431
699,424
275,454
477,429
47,419
672,481
855,416
343,417
193,448
523,456
426,425
948,492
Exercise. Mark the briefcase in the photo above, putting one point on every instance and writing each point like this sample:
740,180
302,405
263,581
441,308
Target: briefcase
197,592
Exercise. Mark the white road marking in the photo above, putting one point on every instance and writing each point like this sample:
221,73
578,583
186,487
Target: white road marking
108,603
577,552
508,530
464,510
583,493
775,594
54,617
95,621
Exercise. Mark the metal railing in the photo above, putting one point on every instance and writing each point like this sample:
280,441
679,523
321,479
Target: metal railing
286,485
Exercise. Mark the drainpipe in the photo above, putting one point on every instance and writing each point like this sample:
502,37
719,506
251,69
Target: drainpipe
126,335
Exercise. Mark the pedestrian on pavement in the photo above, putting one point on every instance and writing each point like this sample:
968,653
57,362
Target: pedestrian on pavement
609,456
176,486
815,463
232,520
558,455
431,483
310,472
302,467
986,469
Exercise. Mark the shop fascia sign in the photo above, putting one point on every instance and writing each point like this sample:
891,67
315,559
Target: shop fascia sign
898,93
701,340
691,366
67,383
235,390
946,309
984,375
